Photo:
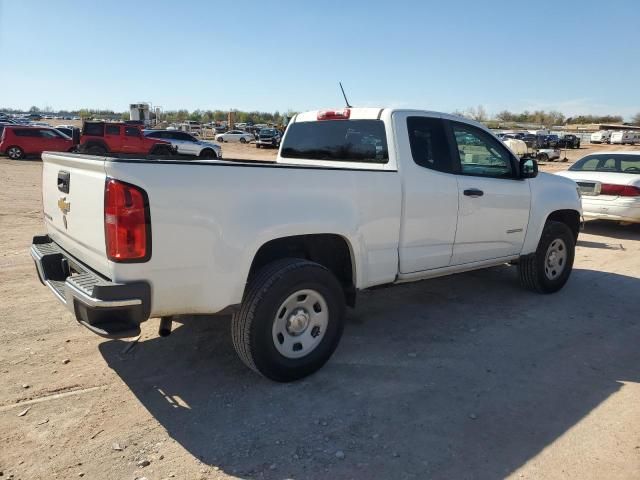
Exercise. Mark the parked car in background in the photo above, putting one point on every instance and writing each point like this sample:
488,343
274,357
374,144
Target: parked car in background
235,136
187,144
547,154
610,185
629,137
268,137
569,141
102,138
601,136
20,141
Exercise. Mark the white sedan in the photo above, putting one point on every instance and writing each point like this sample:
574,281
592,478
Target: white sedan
235,136
610,185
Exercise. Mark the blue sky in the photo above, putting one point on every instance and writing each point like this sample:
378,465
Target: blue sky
574,56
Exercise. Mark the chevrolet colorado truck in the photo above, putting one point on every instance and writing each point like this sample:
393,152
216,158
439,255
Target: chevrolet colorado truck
357,198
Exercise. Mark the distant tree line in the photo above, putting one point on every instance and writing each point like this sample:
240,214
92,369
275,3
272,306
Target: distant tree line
478,113
206,116
540,117
171,116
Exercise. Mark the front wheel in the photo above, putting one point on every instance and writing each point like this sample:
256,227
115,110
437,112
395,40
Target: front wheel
290,321
548,269
543,157
243,140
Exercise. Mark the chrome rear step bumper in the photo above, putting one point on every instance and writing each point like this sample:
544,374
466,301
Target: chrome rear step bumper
109,309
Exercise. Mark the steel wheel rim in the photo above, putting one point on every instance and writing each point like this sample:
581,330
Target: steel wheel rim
300,323
556,259
14,153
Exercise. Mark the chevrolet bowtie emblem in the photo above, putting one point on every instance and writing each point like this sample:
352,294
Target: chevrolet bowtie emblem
64,206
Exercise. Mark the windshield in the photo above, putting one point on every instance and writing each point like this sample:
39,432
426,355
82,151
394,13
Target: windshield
608,162
267,131
341,140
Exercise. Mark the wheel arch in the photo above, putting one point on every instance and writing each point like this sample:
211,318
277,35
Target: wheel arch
569,217
333,251
94,143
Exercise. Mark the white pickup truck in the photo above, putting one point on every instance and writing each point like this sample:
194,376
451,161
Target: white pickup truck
357,198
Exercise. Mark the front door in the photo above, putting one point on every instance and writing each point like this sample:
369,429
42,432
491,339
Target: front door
493,203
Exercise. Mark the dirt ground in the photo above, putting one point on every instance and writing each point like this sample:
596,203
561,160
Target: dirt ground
467,376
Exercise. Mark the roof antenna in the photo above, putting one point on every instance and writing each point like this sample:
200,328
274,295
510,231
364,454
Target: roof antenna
344,95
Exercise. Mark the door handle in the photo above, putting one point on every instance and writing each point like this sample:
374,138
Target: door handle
473,192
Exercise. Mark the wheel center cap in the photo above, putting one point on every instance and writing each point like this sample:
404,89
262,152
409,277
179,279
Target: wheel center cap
298,322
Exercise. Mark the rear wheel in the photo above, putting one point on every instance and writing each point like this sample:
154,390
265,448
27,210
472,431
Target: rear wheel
96,150
290,321
208,154
548,269
243,140
15,153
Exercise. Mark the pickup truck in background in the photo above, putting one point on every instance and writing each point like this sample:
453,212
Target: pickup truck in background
358,197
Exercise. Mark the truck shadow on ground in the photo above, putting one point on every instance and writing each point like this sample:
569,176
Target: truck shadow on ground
466,376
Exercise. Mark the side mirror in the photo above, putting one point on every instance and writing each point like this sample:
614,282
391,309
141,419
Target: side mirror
528,168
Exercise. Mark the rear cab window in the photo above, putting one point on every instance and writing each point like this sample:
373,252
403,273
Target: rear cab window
354,140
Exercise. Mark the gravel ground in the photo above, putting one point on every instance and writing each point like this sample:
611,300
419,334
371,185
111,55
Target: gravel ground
467,376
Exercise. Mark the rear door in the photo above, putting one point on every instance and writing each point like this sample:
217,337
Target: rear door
113,137
133,141
493,203
430,193
73,205
186,144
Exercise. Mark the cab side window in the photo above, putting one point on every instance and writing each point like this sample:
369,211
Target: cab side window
428,141
131,132
112,129
480,154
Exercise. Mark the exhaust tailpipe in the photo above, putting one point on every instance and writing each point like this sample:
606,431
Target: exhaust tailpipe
165,326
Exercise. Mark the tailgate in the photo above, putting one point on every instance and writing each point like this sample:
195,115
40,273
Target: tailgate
73,204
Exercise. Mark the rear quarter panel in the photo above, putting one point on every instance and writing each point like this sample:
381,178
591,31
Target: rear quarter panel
208,219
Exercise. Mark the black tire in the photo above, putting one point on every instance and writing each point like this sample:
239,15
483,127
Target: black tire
257,145
15,152
96,150
243,140
208,153
543,157
252,326
532,268
161,150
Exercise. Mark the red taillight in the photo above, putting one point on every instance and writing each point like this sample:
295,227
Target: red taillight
126,222
334,114
619,190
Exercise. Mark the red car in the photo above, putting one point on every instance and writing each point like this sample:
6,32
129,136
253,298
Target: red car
102,138
20,141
